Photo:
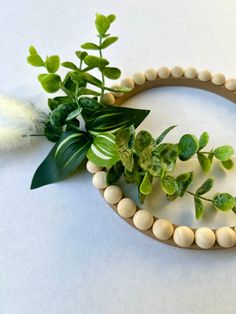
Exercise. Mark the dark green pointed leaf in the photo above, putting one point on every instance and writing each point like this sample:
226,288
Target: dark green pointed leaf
205,187
51,82
164,133
188,146
90,46
228,164
199,209
59,115
90,106
203,140
63,159
73,125
223,153
111,73
223,201
35,60
108,41
115,172
52,134
52,63
103,151
205,162
94,61
74,114
115,118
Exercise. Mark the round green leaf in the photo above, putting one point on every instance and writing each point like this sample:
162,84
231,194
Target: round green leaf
205,187
205,162
35,60
51,82
188,146
111,18
90,46
146,185
223,153
224,201
41,76
108,41
168,185
94,61
102,24
228,164
52,63
111,73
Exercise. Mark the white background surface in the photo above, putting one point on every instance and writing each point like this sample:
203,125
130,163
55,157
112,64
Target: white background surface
62,250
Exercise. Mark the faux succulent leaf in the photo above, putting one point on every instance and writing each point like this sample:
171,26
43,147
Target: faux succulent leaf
145,187
108,41
164,133
228,164
223,153
223,201
168,185
102,24
115,172
63,159
51,82
199,209
52,63
94,61
205,162
111,73
203,140
59,115
35,60
103,151
188,146
112,119
205,187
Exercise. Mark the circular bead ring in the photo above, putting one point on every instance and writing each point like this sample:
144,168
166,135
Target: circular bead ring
162,229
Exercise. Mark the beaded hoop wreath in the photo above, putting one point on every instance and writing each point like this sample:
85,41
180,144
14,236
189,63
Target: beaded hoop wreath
162,229
86,121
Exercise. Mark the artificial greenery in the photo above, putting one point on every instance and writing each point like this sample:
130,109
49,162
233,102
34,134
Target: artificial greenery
83,126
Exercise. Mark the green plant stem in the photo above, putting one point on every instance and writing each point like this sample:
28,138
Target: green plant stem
103,78
199,196
25,135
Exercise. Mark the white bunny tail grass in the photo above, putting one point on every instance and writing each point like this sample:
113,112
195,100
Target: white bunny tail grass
12,139
21,115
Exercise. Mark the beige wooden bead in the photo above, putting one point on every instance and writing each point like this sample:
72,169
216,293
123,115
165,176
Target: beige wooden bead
162,229
113,194
230,84
100,180
190,73
108,99
177,71
225,237
163,72
150,74
183,236
127,82
139,78
126,207
116,94
218,79
142,219
204,76
205,238
92,168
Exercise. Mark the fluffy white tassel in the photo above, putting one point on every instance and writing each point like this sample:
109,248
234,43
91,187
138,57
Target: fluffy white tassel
18,120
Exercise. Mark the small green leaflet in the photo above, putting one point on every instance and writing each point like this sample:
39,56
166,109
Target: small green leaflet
103,150
63,159
115,118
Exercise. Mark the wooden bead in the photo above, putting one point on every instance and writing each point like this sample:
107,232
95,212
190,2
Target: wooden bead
92,168
183,236
162,229
163,72
150,74
126,208
113,194
116,94
108,99
127,82
142,219
139,78
225,237
100,180
218,79
204,76
205,238
177,71
190,73
231,84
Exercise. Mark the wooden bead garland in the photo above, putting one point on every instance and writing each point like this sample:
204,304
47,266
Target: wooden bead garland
142,219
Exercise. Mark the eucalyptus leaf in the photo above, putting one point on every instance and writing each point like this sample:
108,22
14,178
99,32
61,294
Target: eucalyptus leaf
205,162
183,181
223,153
90,46
102,24
111,73
223,201
70,65
203,140
228,164
32,50
94,61
111,18
199,208
81,54
35,60
108,41
188,146
205,187
52,63
51,82
168,185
